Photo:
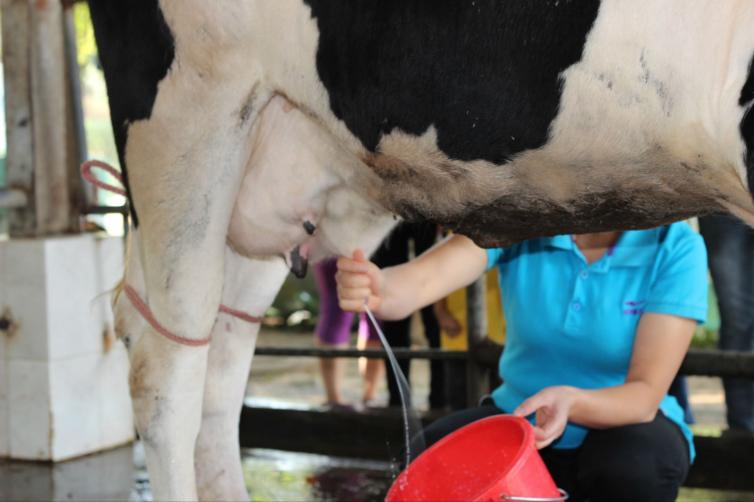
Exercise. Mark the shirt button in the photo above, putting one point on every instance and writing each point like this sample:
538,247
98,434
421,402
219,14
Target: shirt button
584,274
576,306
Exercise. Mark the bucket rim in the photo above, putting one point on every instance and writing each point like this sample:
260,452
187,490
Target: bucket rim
527,440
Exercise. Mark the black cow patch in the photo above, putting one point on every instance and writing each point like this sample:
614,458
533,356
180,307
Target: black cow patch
747,124
485,73
136,49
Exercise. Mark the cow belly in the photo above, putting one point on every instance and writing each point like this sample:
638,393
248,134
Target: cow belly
298,174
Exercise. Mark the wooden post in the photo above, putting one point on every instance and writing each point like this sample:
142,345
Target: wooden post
19,164
476,315
49,116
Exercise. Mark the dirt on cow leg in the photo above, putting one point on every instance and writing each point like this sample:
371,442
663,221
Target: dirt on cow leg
166,380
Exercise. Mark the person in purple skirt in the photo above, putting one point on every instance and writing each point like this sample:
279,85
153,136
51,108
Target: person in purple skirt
334,331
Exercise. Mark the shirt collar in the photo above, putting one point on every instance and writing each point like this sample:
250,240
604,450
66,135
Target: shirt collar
560,242
635,248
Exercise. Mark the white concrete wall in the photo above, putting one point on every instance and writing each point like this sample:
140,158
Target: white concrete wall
63,388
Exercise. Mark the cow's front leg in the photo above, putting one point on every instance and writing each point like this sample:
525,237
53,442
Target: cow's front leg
250,287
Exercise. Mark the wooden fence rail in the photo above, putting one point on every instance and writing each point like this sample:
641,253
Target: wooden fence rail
722,463
699,362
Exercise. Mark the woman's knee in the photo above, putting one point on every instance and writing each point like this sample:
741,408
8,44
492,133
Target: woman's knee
642,479
637,462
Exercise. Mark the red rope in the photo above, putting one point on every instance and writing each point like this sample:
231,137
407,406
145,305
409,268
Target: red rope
146,313
251,319
133,296
86,173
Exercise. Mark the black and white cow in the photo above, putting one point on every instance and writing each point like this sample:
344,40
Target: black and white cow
255,129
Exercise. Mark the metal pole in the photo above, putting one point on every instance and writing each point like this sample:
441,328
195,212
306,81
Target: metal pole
76,135
18,114
476,315
400,353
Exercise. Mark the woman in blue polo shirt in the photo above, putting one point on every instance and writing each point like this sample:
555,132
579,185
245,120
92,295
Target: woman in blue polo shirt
597,327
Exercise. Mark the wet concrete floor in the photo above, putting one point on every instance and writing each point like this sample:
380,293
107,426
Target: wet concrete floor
119,475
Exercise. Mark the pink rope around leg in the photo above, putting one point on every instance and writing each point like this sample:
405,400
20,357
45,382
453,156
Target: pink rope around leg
251,319
146,313
131,294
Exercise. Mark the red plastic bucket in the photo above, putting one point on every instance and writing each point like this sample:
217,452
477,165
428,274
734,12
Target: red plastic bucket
493,459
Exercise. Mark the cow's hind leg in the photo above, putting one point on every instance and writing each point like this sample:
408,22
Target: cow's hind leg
250,286
168,362
185,164
166,383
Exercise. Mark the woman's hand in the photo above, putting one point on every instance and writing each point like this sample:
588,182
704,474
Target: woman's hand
552,407
359,282
449,324
445,319
395,292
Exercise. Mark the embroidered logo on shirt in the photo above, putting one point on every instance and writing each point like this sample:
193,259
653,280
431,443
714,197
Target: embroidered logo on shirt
634,307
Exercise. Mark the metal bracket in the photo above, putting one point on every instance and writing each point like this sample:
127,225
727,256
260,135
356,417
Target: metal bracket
7,325
10,198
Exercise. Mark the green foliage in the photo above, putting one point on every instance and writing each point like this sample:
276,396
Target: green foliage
704,338
706,335
85,44
296,297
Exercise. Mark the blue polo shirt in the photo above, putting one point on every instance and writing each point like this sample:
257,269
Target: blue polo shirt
572,323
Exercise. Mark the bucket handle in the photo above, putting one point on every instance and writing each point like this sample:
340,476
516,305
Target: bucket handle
563,496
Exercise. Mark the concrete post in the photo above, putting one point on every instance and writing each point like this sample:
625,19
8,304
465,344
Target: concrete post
20,159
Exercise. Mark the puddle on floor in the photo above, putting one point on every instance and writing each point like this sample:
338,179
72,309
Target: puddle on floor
275,475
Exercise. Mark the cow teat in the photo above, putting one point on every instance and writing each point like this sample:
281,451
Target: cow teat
309,227
298,263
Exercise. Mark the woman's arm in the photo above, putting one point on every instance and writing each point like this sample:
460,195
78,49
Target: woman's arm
661,343
396,292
